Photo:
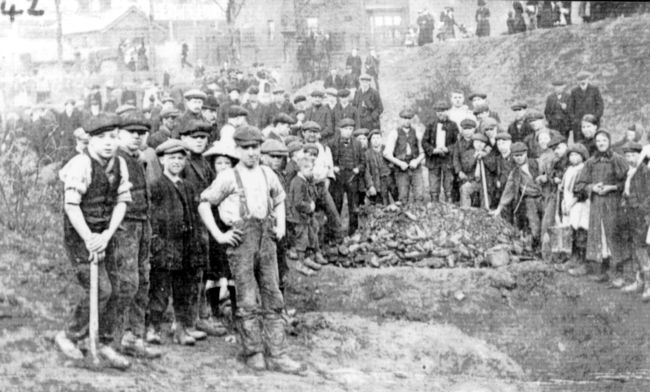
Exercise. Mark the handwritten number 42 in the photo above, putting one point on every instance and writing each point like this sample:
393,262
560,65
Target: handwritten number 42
12,12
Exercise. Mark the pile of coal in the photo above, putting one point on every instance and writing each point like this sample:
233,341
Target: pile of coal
435,235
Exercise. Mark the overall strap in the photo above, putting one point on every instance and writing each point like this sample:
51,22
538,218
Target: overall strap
269,202
243,205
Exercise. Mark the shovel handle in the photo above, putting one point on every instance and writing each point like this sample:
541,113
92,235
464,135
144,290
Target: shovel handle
93,323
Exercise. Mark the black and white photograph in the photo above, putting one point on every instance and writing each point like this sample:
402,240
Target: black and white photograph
324,196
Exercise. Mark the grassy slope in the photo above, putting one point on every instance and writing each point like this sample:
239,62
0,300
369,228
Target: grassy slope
521,67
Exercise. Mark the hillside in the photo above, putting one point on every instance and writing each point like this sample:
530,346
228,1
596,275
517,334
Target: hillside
521,67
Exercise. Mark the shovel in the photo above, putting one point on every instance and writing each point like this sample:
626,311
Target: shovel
93,324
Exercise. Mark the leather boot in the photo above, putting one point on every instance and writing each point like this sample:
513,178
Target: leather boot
135,347
256,362
307,261
114,359
182,337
636,286
646,291
152,336
284,364
196,334
211,327
67,346
318,257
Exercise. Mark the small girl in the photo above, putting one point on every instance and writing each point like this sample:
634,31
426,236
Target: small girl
574,210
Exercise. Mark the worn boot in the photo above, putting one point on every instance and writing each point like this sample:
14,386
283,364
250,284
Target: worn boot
318,257
284,364
135,347
307,261
303,269
152,336
256,362
67,346
636,286
601,274
182,337
646,291
211,327
114,359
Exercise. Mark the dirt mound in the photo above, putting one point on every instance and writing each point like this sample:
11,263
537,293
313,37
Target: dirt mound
520,68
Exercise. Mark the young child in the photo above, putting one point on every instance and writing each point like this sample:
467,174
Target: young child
303,227
220,286
574,210
174,265
250,200
470,173
361,135
97,190
377,176
637,204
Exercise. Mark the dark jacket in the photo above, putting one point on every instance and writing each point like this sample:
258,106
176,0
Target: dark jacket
519,133
273,110
584,102
302,193
557,117
340,112
358,156
377,169
255,114
322,115
429,143
335,82
369,108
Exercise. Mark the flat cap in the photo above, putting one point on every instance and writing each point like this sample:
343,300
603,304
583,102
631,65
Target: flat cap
211,103
278,90
441,106
233,87
311,126
347,122
135,121
468,123
237,111
103,122
310,148
299,98
407,113
555,140
331,91
365,76
361,131
503,136
519,148
248,136
167,98
294,146
283,118
274,147
478,136
582,75
195,126
317,93
477,95
632,147
343,93
171,146
481,108
373,133
169,112
157,139
220,148
123,109
579,148
558,82
488,123
519,106
534,114
253,90
195,94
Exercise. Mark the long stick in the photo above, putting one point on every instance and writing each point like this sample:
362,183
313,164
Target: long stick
484,184
93,323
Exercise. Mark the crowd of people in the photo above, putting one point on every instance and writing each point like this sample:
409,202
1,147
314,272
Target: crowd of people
203,198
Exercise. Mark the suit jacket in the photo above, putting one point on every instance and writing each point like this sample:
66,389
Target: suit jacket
255,114
369,108
557,117
323,116
429,143
519,134
359,156
584,102
340,112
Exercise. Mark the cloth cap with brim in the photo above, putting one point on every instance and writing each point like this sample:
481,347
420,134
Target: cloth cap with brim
343,93
237,111
124,109
407,114
555,140
468,123
482,108
347,122
211,103
248,136
477,95
480,137
361,131
441,106
310,147
365,77
171,146
220,148
503,136
274,147
519,106
157,139
534,115
373,133
135,121
168,98
195,126
311,126
581,149
558,82
294,146
233,87
290,139
299,98
518,148
488,123
632,147
582,75
317,94
331,92
278,91
169,112
195,94
283,118
103,122
253,91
